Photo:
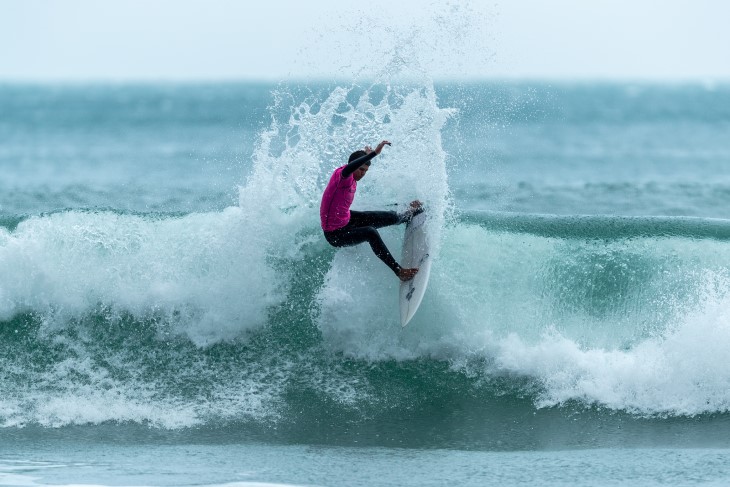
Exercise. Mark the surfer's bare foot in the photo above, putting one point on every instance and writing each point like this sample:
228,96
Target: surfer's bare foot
407,274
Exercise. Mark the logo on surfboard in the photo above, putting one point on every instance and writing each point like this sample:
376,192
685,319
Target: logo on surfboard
412,287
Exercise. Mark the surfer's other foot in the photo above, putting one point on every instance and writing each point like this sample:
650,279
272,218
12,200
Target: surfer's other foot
407,274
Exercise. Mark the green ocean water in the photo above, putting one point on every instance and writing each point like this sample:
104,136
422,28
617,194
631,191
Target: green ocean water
166,292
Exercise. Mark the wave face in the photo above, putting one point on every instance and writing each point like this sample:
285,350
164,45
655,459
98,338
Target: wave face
209,319
625,313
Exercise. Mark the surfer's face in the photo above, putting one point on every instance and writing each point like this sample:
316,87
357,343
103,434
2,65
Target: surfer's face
360,172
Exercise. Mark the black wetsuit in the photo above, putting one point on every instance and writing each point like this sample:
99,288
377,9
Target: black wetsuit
363,225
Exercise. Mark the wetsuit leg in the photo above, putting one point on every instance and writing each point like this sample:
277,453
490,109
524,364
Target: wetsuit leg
377,219
351,235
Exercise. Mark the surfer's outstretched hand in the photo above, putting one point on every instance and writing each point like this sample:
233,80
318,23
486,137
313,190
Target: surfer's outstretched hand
378,149
407,274
380,146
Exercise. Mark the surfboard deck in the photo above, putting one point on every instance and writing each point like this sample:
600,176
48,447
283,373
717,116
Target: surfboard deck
416,248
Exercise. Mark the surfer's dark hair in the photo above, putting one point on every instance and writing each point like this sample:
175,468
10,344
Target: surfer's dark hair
356,155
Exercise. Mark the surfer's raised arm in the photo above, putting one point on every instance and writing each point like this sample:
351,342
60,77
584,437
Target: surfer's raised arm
378,148
368,154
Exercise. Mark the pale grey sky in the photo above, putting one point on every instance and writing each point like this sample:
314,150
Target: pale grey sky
277,39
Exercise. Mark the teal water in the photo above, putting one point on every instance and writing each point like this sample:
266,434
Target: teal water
245,464
166,291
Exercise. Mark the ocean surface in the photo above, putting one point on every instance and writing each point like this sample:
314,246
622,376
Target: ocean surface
170,313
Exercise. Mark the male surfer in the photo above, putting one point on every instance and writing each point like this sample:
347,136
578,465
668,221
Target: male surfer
343,227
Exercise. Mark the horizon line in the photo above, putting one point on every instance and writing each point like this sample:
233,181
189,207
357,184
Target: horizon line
701,80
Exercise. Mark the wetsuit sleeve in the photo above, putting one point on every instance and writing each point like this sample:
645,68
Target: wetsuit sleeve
354,165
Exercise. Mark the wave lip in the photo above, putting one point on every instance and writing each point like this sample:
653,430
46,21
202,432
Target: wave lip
600,226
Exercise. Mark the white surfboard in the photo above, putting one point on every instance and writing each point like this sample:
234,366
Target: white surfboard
416,248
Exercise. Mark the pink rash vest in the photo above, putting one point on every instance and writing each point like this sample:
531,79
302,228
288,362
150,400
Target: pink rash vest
334,211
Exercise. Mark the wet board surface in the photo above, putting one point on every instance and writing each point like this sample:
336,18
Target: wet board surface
416,248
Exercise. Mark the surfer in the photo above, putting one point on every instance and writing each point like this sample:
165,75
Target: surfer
343,227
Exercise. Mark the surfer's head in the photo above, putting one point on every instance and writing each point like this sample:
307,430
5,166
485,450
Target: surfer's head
360,172
356,155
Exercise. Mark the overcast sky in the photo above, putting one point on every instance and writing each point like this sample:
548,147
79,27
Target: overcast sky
277,40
